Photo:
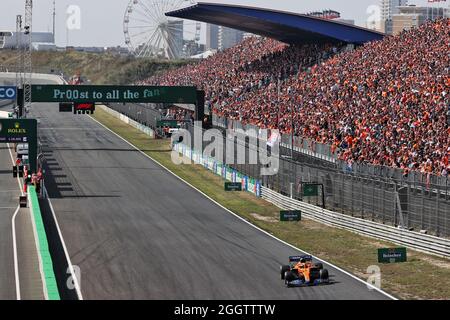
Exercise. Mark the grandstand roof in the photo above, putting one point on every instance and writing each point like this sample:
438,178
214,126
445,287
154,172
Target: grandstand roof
283,26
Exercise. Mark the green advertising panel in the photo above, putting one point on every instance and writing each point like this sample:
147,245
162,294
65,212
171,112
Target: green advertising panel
392,255
167,123
21,131
91,94
290,215
310,190
233,186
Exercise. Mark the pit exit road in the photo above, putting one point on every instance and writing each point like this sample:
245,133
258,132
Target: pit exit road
137,232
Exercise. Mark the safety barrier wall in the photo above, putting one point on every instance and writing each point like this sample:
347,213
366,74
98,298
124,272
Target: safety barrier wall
45,260
229,174
148,131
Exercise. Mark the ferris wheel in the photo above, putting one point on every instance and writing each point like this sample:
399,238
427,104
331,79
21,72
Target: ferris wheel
150,33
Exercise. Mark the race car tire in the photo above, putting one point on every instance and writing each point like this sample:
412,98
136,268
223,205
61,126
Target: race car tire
324,275
289,276
287,283
319,265
283,270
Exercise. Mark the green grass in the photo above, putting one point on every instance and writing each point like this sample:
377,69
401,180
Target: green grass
98,68
422,277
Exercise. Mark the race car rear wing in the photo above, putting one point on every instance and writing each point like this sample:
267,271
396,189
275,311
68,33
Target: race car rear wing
298,258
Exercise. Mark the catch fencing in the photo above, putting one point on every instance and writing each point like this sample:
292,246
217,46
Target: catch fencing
148,115
379,194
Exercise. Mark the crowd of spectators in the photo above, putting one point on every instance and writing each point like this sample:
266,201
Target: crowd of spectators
384,103
252,65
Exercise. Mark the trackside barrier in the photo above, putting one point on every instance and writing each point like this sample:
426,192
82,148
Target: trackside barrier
45,260
229,174
148,131
421,242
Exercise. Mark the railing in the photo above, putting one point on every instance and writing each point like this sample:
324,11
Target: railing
422,242
324,152
147,130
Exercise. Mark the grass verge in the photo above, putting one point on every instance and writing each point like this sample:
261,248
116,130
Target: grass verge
422,277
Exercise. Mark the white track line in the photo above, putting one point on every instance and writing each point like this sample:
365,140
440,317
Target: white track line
16,262
69,262
13,227
249,223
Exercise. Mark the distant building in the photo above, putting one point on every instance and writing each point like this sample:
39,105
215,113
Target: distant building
3,36
346,21
413,16
229,37
36,37
90,49
388,9
39,46
221,38
123,51
176,41
192,48
212,36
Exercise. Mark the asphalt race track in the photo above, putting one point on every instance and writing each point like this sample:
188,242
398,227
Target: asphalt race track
9,195
137,232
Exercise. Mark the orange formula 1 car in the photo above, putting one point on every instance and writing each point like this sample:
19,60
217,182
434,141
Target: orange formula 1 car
302,271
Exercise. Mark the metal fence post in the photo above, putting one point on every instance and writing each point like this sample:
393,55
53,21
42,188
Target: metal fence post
422,214
292,190
342,193
383,194
373,200
362,197
317,181
437,212
446,233
352,195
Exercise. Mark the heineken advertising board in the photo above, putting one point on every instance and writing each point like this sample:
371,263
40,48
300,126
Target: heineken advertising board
290,215
392,255
233,186
167,123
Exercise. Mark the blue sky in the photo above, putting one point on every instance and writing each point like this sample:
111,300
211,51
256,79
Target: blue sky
101,20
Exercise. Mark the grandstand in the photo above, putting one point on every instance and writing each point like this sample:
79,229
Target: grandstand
383,103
